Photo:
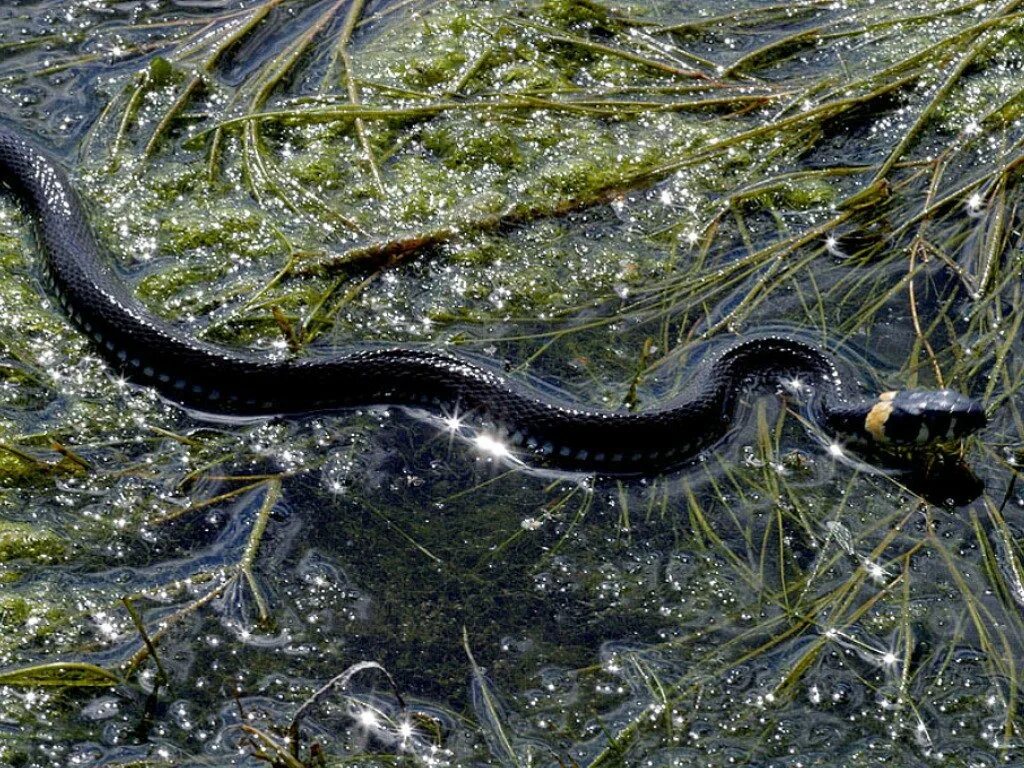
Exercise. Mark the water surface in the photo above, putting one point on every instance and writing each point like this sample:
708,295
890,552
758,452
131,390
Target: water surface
589,194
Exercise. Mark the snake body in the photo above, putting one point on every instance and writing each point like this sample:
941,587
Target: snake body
216,379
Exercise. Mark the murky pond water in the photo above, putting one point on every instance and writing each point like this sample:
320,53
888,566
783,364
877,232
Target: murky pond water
591,195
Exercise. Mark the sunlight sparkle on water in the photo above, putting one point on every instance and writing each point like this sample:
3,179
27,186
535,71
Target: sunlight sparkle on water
794,385
877,573
406,730
368,719
492,446
975,204
832,246
835,450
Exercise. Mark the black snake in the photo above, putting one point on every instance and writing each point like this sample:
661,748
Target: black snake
212,378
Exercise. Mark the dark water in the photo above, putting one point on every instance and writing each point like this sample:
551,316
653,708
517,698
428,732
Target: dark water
777,602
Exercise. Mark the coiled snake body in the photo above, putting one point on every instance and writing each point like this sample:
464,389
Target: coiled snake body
217,379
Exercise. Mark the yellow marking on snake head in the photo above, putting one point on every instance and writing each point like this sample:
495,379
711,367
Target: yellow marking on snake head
874,422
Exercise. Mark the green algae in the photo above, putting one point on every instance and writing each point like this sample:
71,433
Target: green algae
32,617
492,145
162,286
228,230
578,13
23,541
162,72
621,248
20,468
60,675
442,67
458,170
809,193
14,611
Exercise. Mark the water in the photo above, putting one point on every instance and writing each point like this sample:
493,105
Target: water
582,221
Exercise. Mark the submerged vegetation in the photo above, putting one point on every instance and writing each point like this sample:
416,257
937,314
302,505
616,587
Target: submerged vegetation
588,191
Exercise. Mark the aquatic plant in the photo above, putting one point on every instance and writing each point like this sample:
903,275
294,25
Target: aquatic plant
592,192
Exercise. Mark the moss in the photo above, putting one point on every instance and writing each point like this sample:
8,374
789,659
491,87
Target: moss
14,468
24,541
32,616
473,256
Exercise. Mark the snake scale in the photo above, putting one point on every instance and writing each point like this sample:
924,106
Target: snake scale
209,378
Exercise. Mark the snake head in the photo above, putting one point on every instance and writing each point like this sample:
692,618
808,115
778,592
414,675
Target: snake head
923,416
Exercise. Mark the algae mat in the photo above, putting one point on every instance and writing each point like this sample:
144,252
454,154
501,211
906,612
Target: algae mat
590,193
